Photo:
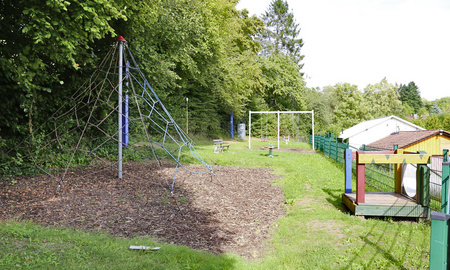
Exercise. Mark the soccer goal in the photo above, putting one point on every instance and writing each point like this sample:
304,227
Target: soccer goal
278,123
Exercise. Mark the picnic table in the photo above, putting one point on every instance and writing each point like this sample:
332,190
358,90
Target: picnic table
219,146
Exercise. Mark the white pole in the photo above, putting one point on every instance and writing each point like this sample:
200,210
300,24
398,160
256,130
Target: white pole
187,116
278,132
120,104
312,113
249,129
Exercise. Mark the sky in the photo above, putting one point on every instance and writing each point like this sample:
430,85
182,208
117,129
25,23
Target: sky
363,41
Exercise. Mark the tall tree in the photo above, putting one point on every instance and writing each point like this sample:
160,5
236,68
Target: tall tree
433,122
200,49
410,94
43,44
282,32
284,86
348,105
382,99
446,122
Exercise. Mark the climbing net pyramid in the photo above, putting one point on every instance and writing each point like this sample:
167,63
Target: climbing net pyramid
113,117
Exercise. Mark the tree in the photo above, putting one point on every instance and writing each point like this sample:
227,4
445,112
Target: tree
410,94
323,115
446,122
43,44
347,104
282,32
383,99
284,87
444,104
432,122
204,50
435,109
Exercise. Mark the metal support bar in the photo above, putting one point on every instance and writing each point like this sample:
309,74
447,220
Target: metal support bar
120,144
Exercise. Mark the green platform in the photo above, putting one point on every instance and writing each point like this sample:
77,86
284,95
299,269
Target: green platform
385,204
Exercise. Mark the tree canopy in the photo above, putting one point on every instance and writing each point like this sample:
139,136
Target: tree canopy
222,59
410,95
282,32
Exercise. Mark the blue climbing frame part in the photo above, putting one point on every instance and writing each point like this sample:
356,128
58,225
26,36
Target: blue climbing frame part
348,170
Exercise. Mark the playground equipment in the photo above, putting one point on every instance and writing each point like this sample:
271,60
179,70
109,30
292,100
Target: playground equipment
278,123
393,204
271,147
111,117
439,238
286,139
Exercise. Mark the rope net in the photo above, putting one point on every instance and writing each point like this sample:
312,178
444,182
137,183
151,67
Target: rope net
86,130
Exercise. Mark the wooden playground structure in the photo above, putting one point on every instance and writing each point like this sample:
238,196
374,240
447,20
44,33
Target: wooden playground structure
390,204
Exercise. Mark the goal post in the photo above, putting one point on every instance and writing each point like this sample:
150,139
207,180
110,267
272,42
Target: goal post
278,124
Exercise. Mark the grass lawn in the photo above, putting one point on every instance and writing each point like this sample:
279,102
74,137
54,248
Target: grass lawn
316,233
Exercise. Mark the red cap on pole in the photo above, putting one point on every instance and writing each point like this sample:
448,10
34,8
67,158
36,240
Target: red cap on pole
120,39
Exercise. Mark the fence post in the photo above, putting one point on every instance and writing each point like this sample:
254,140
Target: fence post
440,224
337,150
329,146
439,240
445,186
348,170
423,184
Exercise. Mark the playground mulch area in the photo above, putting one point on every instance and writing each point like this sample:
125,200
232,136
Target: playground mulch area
230,212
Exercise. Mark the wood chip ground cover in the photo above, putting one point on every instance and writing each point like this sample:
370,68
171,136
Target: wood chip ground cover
232,212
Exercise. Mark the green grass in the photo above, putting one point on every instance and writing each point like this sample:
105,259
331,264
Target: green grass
316,232
30,246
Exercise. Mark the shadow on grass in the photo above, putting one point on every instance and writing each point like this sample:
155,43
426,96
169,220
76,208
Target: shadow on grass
335,199
376,240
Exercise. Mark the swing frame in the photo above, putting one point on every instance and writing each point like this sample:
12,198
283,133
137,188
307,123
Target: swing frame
278,125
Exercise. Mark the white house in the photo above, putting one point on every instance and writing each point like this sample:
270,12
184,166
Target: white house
373,130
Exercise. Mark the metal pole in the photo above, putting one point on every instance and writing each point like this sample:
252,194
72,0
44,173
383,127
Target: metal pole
249,129
312,113
120,40
187,116
231,125
278,131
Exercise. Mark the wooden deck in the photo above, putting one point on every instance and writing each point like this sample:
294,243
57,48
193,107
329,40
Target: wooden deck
385,204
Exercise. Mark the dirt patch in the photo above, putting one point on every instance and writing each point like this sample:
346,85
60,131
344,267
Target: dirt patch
231,212
331,227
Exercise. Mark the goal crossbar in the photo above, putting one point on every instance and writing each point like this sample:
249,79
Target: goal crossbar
278,124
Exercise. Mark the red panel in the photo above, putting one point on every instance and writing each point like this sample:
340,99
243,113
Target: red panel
360,180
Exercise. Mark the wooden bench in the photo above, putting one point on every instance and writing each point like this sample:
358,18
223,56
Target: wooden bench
219,146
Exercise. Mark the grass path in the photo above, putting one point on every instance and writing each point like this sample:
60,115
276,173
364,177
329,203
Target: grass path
316,233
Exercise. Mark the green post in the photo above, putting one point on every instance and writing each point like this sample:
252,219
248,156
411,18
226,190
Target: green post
337,150
423,185
439,240
440,225
271,146
445,184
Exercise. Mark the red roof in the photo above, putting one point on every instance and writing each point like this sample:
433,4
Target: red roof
405,138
